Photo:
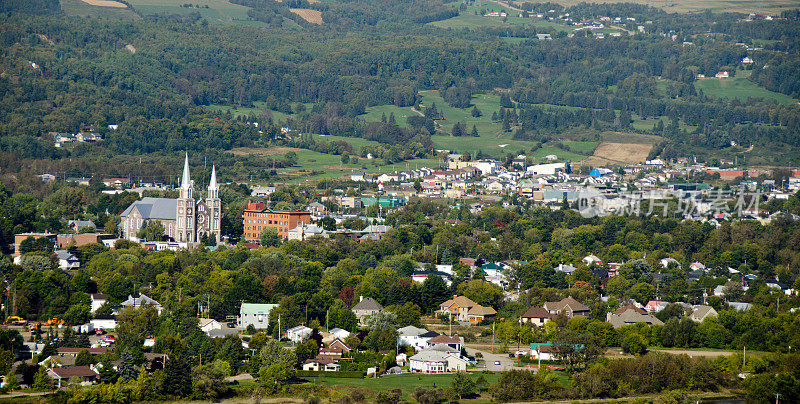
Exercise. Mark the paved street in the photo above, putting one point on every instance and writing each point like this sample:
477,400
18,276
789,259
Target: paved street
506,363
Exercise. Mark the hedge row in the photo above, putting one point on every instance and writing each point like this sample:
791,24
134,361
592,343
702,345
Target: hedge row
349,374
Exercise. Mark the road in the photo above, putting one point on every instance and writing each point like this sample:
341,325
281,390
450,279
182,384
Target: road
506,363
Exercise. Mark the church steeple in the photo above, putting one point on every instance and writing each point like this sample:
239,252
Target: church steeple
213,187
186,181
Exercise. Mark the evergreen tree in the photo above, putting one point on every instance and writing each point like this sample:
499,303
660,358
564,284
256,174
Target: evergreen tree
474,131
476,112
383,117
446,259
127,369
41,381
391,119
177,377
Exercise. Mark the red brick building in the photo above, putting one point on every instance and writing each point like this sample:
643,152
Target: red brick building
257,216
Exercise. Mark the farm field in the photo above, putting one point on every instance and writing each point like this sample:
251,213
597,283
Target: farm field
312,16
739,88
620,153
84,9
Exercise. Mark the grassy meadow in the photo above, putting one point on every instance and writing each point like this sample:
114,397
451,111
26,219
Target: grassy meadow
740,88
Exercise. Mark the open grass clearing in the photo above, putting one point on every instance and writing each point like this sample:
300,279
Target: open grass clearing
215,11
739,88
405,382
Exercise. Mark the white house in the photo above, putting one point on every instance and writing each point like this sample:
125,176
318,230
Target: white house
255,314
208,324
298,334
66,260
304,231
98,300
415,337
430,361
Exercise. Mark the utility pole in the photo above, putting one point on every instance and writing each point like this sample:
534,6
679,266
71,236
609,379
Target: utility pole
493,337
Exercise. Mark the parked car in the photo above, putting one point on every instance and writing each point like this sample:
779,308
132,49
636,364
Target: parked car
497,363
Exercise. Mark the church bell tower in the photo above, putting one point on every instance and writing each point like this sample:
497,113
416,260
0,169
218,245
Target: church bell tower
186,208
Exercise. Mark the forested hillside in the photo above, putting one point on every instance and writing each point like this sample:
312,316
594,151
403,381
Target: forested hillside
154,77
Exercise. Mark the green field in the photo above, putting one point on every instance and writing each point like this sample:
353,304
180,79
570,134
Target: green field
375,114
473,17
217,11
491,141
81,9
405,382
740,88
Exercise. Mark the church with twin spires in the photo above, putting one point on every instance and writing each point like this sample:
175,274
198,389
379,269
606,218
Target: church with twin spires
185,219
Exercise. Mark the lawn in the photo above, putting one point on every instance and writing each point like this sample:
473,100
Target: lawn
405,382
215,11
375,114
740,88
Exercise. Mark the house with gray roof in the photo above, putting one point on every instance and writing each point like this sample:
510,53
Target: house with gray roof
366,307
701,312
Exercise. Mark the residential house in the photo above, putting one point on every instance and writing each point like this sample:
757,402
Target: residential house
85,374
303,231
445,343
141,301
536,315
701,312
415,337
298,334
464,309
366,307
654,306
569,306
430,361
631,315
340,333
592,259
66,260
255,314
208,324
98,300
75,226
543,351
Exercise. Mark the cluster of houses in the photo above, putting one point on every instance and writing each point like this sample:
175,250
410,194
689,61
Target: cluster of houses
60,138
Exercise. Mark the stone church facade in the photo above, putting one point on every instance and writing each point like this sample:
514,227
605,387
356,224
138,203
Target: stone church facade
185,219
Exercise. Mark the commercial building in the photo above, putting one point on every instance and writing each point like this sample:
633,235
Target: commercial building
257,216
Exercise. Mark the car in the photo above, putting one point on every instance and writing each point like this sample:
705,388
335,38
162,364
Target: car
497,363
109,338
510,355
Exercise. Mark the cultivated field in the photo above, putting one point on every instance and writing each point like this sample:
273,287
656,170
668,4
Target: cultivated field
312,16
623,152
105,3
87,9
